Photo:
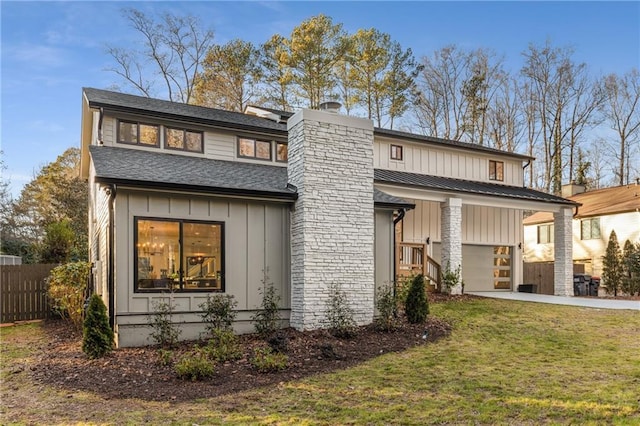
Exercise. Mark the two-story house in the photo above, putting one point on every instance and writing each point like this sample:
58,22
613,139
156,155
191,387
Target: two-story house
600,212
186,201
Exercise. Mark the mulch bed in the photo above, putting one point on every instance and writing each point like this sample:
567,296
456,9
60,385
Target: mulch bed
139,373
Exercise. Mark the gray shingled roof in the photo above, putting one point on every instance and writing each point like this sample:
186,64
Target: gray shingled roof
235,120
437,183
180,172
216,117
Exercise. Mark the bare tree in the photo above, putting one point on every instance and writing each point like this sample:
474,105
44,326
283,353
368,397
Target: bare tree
622,113
505,117
173,48
564,102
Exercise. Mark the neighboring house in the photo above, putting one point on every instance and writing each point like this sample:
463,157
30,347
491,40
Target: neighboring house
600,212
194,201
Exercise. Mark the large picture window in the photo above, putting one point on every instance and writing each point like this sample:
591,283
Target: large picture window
178,255
182,139
134,133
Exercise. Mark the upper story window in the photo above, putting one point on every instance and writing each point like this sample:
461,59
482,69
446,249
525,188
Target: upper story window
396,152
545,233
590,229
282,154
496,170
252,148
182,139
135,133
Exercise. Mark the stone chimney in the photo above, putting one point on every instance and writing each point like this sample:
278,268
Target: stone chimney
332,224
571,189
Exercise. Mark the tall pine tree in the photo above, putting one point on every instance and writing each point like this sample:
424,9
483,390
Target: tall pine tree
612,270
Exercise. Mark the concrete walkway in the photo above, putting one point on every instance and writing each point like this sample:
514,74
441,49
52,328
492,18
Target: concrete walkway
588,302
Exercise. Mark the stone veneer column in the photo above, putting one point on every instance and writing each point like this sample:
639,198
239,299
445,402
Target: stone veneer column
332,224
451,213
563,256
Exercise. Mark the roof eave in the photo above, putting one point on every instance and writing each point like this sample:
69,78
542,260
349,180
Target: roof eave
211,190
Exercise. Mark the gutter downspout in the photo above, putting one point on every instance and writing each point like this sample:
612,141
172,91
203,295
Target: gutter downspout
100,118
524,185
401,214
111,192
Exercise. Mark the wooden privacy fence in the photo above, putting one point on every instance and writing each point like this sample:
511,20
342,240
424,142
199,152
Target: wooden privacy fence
541,274
23,292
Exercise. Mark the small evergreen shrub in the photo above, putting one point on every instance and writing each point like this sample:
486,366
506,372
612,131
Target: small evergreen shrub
279,343
612,266
267,318
417,306
265,360
219,312
66,287
223,346
165,333
97,336
339,314
387,309
195,366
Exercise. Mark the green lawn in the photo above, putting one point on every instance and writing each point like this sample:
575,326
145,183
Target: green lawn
506,362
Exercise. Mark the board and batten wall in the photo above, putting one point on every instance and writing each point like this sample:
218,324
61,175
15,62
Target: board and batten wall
256,240
445,161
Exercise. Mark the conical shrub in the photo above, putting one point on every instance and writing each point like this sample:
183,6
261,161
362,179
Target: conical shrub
97,336
417,306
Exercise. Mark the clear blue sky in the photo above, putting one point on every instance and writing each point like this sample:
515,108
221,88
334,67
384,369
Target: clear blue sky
50,50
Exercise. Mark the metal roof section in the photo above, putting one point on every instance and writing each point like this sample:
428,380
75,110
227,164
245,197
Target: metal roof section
443,184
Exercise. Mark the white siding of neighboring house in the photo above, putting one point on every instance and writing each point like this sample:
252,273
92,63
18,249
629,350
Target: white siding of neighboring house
218,145
589,252
256,239
445,161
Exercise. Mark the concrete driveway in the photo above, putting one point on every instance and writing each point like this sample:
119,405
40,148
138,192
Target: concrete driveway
588,302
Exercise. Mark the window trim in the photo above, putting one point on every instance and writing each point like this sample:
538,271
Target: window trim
393,148
184,139
285,144
591,221
181,289
255,150
493,170
550,231
137,123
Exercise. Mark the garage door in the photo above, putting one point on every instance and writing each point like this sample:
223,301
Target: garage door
484,268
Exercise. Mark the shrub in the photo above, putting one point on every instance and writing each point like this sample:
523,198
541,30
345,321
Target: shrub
194,366
631,266
66,288
279,342
450,278
387,309
165,333
223,346
339,314
219,312
265,360
417,306
267,318
97,336
165,357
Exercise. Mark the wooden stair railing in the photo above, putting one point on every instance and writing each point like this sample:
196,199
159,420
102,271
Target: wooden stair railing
412,259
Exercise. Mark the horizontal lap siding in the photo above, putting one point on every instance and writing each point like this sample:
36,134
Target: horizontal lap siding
256,239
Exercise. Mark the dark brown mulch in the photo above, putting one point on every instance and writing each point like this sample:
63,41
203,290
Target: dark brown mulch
138,372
